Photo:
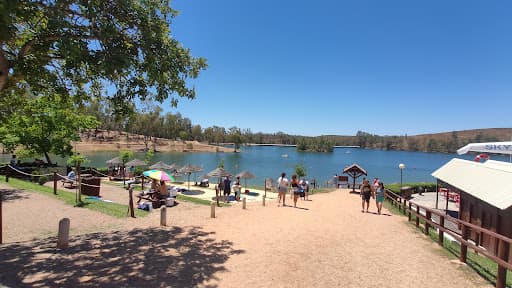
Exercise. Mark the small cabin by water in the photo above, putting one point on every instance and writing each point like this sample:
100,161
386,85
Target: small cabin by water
485,191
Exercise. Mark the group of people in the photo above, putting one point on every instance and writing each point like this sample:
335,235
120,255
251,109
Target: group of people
160,188
226,187
297,188
376,192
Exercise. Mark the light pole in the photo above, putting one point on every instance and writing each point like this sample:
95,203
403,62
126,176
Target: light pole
401,166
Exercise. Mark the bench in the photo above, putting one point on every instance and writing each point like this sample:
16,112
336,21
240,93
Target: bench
68,181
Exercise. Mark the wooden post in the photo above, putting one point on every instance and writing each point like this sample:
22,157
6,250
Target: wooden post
441,232
163,216
463,246
55,183
263,199
410,209
428,217
417,216
130,203
404,206
501,277
63,234
212,214
244,202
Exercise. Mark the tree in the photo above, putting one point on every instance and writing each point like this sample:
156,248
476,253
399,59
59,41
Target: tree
300,170
46,125
76,160
117,50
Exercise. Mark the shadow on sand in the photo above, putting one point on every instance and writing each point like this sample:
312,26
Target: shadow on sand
12,195
153,257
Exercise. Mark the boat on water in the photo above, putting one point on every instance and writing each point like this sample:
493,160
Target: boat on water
284,155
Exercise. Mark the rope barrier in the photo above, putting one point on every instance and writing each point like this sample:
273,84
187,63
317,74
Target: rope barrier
75,181
28,174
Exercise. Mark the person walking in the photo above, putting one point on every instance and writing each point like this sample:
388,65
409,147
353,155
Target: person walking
366,193
282,187
294,184
379,196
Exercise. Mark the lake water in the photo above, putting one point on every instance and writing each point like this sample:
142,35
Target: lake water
268,162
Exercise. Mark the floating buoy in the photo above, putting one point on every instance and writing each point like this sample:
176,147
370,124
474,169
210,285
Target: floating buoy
482,156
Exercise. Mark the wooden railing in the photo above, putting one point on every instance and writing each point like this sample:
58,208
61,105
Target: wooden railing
461,234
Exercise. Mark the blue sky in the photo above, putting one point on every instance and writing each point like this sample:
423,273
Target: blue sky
322,67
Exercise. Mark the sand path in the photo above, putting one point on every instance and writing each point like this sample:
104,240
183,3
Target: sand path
327,242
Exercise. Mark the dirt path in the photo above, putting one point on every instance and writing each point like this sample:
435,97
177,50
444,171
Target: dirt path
327,242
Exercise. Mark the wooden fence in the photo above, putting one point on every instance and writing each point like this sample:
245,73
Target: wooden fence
457,229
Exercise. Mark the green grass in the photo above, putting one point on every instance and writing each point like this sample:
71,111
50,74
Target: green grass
112,209
482,265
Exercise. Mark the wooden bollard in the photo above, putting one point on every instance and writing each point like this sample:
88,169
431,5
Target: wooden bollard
63,236
55,183
163,216
213,210
263,199
244,203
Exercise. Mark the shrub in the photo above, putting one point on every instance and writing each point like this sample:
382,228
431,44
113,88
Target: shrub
42,180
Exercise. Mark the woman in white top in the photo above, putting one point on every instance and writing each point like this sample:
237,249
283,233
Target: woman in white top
282,188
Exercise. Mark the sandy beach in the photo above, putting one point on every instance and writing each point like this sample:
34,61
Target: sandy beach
325,242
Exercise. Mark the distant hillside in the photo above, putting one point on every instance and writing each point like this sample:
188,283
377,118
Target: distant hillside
446,142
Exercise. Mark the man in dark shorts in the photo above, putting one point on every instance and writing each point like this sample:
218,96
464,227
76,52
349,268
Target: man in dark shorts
227,188
366,194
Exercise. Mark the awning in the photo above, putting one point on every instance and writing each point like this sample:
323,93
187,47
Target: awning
489,182
488,147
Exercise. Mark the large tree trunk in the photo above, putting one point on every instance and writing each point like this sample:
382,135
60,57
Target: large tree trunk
48,160
4,69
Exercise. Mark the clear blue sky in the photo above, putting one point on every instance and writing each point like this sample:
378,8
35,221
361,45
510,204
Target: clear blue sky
321,67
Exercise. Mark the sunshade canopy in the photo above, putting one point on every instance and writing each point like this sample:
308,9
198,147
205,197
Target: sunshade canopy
218,172
115,161
135,162
158,175
163,166
245,175
488,147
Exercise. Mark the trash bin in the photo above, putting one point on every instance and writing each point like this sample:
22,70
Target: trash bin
91,186
406,192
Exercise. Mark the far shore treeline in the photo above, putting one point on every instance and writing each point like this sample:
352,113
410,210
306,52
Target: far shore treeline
176,126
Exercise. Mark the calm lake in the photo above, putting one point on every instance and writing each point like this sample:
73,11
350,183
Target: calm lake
270,161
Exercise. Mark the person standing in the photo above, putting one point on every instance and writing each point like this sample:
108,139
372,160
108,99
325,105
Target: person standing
282,187
379,196
227,188
237,188
366,193
294,184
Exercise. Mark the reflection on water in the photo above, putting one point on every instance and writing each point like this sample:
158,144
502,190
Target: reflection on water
267,162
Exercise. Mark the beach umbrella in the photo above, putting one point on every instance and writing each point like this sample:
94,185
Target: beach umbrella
135,162
245,175
115,161
189,169
218,172
158,175
162,166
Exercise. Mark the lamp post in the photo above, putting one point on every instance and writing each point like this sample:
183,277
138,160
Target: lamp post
401,166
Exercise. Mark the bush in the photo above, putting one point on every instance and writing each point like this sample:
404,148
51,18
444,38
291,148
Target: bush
425,185
42,180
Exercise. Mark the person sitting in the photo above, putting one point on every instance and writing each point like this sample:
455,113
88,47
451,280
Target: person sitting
72,175
163,190
70,178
